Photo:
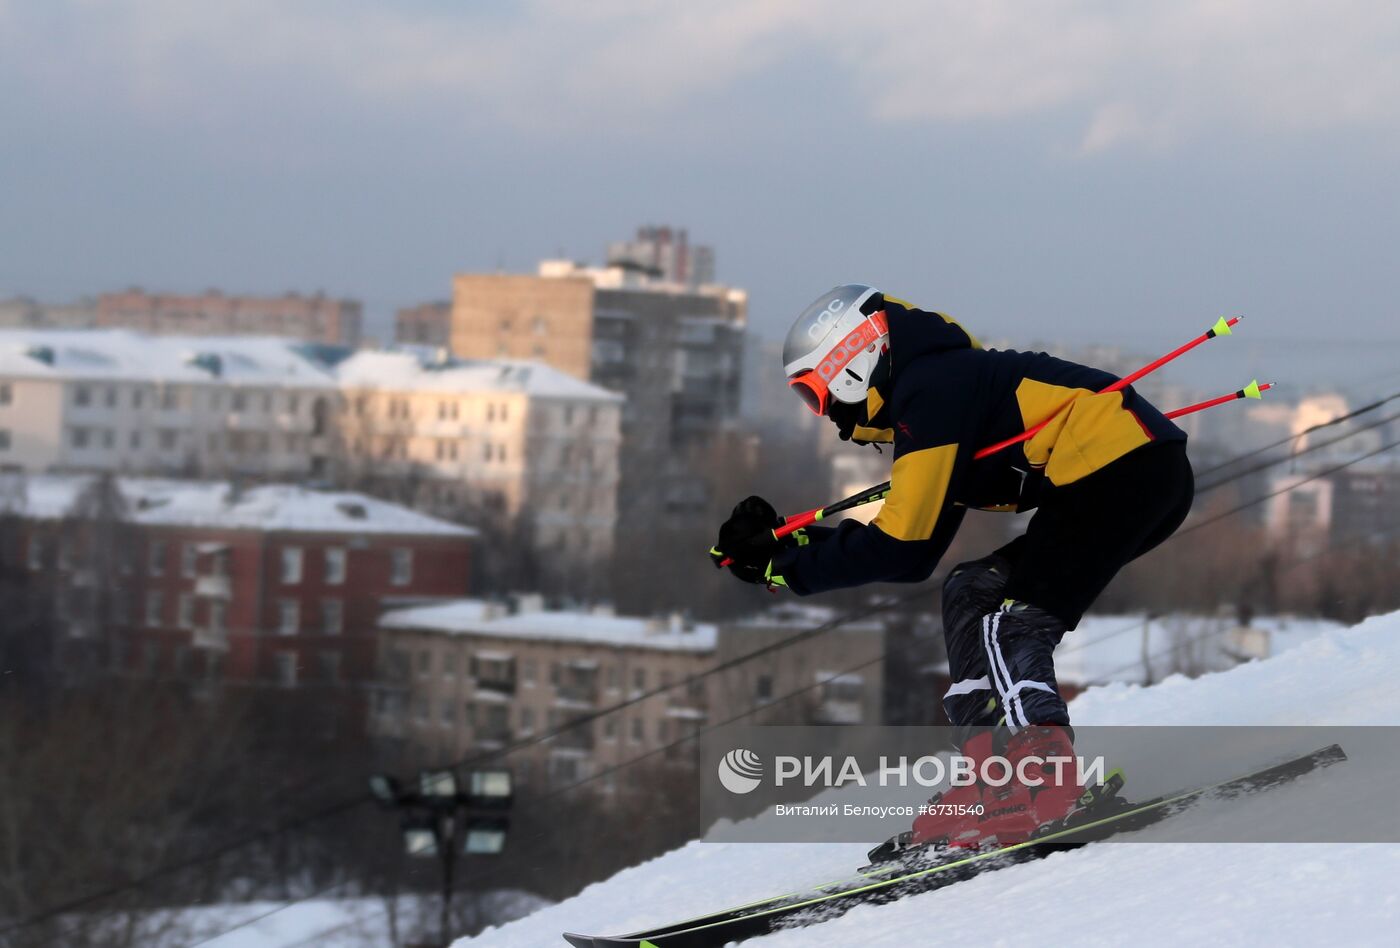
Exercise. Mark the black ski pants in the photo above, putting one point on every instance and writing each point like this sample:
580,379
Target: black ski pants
1003,615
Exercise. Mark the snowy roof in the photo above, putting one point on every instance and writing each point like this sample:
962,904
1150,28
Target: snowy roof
125,355
793,615
474,617
215,504
419,369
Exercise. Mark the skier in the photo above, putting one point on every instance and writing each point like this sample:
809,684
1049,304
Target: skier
1108,478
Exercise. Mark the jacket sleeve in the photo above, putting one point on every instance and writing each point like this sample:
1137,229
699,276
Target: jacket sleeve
910,535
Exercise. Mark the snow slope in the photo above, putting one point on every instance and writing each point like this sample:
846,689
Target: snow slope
1162,894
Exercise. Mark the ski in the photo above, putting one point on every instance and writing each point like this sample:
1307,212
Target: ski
886,883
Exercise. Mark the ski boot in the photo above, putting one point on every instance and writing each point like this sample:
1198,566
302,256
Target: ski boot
1051,796
950,817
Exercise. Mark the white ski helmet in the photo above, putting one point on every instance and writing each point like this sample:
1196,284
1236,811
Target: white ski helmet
831,350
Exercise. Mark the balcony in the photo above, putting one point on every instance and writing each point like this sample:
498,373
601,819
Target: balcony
213,587
504,687
208,637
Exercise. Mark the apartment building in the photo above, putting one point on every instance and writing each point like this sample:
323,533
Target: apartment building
427,324
201,581
23,312
667,254
120,401
502,439
675,351
315,318
470,676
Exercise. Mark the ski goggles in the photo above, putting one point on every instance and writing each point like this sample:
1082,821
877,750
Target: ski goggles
812,390
813,385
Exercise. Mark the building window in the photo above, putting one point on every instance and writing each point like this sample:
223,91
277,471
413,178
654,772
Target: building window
335,565
82,395
110,397
167,438
239,401
155,605
217,612
763,688
291,565
137,397
639,679
155,558
189,556
36,552
425,662
6,395
169,399
332,616
78,437
185,611
109,438
449,713
449,664
288,616
286,663
4,439
636,730
135,441
420,709
180,661
610,729
527,673
329,666
400,567
150,657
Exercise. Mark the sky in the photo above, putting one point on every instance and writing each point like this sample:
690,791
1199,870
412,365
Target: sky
1042,168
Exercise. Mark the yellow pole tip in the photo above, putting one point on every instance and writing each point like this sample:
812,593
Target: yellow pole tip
1222,327
1252,390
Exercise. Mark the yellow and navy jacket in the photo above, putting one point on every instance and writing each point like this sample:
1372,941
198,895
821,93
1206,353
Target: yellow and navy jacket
942,398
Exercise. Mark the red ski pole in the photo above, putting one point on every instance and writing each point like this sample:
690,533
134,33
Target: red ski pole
1252,390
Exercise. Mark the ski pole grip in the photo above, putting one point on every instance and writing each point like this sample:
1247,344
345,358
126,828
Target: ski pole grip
789,526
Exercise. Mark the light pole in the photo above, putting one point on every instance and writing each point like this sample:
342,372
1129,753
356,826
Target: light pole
433,817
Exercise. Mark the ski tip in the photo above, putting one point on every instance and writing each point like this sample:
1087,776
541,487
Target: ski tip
579,941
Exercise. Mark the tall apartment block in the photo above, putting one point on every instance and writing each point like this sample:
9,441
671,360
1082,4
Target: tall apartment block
675,352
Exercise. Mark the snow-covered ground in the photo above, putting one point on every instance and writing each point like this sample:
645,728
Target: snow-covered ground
1164,893
324,923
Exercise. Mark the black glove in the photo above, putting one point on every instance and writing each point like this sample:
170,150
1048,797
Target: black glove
747,538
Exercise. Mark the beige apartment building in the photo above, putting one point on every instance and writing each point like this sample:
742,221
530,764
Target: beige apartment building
674,351
548,318
464,677
316,318
498,441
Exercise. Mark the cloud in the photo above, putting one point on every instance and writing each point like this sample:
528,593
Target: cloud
1106,75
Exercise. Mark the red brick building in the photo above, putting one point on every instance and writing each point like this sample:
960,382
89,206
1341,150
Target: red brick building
315,318
196,580
427,324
